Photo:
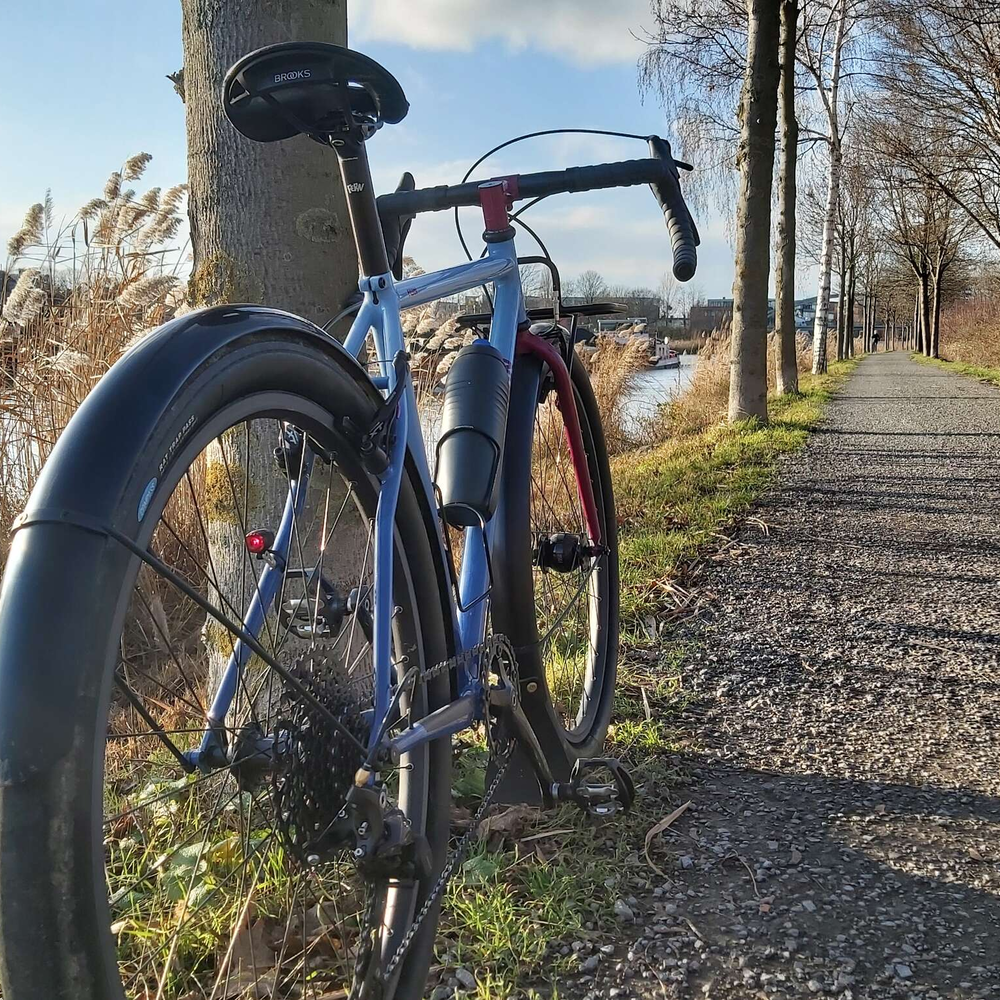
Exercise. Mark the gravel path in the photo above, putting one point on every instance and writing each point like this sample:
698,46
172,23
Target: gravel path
844,833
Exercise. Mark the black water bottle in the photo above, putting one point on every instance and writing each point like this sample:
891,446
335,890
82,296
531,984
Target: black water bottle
473,423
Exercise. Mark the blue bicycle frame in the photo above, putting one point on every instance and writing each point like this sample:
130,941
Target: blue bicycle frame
379,319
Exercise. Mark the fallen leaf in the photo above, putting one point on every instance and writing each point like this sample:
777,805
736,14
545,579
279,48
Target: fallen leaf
510,821
251,965
657,828
974,854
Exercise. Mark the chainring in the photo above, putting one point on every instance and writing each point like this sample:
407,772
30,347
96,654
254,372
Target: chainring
499,660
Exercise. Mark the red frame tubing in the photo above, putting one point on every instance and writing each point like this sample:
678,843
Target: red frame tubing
529,343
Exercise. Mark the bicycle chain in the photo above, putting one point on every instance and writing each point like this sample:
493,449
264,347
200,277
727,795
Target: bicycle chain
496,648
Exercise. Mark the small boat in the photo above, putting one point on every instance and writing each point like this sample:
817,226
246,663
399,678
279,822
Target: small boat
663,356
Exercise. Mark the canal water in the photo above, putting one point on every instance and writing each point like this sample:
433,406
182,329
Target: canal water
656,386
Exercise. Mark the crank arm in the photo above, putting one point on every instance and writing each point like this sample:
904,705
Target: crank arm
500,698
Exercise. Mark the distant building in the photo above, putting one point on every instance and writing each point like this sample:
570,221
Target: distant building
710,315
805,312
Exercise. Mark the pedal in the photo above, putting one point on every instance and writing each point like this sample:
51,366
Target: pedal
592,794
318,613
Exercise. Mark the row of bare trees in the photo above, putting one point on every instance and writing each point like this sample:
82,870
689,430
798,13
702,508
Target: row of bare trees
883,116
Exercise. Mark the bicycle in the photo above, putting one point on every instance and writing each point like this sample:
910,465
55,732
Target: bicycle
289,835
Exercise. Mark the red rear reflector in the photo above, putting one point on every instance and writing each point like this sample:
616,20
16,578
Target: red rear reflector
259,541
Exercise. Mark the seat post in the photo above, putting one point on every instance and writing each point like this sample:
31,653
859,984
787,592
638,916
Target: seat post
357,178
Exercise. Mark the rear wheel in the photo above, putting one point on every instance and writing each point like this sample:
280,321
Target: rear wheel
233,881
557,603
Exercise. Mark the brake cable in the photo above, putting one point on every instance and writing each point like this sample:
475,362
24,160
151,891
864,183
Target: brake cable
511,142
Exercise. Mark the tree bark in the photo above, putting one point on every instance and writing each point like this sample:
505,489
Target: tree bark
786,366
925,314
936,310
842,306
269,224
269,221
849,328
832,197
758,120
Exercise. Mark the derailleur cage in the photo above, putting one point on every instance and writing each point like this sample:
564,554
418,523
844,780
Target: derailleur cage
385,844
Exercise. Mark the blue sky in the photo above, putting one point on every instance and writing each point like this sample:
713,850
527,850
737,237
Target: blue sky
84,85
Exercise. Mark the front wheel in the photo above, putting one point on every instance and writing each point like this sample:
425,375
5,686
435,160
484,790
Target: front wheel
557,602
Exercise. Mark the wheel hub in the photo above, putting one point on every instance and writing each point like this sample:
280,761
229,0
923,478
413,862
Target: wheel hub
563,551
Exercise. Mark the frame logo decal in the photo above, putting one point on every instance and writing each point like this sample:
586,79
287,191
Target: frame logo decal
147,495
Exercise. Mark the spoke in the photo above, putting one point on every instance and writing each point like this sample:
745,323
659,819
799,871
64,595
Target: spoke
170,648
202,909
244,526
123,891
163,687
164,570
218,589
158,730
132,810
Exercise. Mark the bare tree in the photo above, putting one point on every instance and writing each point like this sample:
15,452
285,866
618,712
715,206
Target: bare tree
941,82
669,293
694,60
826,31
786,362
758,120
590,287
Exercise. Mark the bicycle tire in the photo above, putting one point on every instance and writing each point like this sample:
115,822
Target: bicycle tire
56,669
515,606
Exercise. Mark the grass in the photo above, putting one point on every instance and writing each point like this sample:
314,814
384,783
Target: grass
985,373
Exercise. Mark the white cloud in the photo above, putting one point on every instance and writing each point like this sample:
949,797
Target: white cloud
588,32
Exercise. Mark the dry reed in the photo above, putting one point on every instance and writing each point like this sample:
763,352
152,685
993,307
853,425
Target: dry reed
970,330
86,289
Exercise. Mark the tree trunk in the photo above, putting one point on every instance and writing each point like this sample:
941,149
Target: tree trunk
842,306
786,367
832,198
269,221
269,224
849,330
915,337
936,311
758,119
925,314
